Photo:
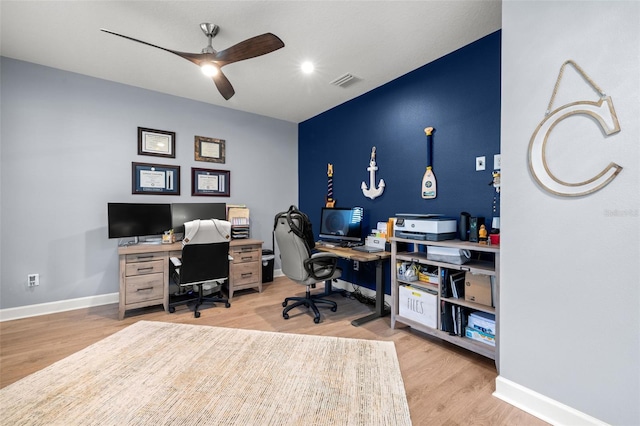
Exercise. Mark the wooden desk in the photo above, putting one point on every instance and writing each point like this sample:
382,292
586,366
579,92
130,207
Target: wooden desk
144,272
360,256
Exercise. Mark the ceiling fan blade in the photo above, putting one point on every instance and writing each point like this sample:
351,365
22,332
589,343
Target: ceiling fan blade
196,58
250,48
224,85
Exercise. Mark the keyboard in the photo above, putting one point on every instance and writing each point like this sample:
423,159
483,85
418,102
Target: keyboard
342,244
368,249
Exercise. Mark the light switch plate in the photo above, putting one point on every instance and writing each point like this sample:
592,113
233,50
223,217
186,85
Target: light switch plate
481,163
496,162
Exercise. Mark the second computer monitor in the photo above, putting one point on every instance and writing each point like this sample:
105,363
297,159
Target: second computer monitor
186,212
341,224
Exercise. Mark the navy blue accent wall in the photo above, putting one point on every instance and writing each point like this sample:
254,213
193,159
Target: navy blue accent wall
458,95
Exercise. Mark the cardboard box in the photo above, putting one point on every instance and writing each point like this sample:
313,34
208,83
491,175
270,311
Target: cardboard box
477,288
418,304
479,336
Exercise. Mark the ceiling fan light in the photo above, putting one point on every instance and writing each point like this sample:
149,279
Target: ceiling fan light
209,69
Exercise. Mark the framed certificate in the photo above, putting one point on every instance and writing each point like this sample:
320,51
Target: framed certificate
159,143
212,183
209,149
157,179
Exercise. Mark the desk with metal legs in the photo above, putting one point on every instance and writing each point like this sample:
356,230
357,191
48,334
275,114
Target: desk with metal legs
378,258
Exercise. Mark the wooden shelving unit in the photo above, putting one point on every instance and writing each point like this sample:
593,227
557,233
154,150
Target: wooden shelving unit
485,260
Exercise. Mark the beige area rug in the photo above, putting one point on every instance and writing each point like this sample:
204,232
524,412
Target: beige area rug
155,373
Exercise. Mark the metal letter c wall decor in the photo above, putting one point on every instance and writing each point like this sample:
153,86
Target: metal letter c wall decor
604,114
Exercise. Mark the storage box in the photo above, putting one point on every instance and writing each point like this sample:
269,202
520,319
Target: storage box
448,255
377,242
479,336
406,271
483,321
477,288
427,274
418,304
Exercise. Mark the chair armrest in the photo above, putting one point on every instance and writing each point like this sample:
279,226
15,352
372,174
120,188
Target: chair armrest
176,262
321,266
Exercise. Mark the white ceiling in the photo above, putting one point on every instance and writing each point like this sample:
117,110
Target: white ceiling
376,41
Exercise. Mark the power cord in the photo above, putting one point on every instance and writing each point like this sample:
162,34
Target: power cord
358,295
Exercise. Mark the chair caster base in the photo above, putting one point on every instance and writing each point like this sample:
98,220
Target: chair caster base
172,309
196,314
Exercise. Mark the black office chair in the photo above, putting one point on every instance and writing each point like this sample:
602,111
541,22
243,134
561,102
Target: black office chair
302,267
204,265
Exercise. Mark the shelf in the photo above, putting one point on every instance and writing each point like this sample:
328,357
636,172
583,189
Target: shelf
485,260
465,245
467,304
484,267
420,284
469,344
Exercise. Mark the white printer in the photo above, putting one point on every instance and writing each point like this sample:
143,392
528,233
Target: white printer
429,227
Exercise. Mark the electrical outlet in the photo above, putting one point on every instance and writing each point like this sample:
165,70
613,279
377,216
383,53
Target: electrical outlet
497,162
356,265
33,280
481,163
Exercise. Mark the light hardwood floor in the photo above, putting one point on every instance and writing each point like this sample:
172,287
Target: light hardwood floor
445,385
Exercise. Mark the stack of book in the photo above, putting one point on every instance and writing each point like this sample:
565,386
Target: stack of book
453,316
481,326
428,274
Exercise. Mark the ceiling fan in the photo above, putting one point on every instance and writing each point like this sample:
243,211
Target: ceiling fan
211,61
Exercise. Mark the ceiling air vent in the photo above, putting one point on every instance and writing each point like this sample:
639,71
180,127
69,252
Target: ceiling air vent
344,80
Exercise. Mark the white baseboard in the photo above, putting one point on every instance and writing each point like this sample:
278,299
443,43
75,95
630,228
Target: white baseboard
541,406
67,305
54,307
106,299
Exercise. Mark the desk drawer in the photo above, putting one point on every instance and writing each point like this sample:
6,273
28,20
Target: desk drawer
143,288
245,254
143,268
245,273
144,257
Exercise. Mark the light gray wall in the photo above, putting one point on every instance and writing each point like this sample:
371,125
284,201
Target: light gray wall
570,295
68,142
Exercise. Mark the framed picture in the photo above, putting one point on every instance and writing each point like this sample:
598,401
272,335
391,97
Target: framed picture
212,183
209,149
157,179
159,143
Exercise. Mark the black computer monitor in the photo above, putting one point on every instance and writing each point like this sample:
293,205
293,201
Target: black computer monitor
186,212
341,224
137,219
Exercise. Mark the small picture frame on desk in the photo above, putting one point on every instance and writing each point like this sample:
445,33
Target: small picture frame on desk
156,179
210,183
209,149
158,143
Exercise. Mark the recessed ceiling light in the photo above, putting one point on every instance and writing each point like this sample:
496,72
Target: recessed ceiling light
307,67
